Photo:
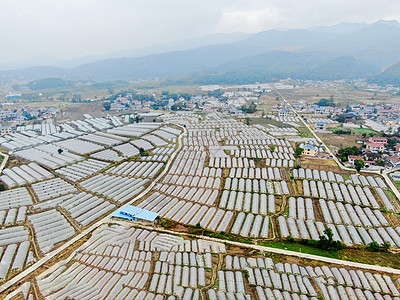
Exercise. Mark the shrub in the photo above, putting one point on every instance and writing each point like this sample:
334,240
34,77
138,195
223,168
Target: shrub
373,246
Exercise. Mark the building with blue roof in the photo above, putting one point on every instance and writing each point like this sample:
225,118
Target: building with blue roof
135,214
320,126
309,150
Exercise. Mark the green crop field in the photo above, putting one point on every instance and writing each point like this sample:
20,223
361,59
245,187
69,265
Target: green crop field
365,130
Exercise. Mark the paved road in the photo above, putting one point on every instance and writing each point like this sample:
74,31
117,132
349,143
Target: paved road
49,256
389,182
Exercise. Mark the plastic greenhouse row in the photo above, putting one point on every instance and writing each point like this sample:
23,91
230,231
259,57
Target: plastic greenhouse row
313,174
82,169
120,189
255,203
256,173
348,235
79,146
50,228
52,188
136,169
15,198
257,186
24,174
341,192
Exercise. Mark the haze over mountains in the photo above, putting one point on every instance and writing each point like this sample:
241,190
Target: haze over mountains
343,51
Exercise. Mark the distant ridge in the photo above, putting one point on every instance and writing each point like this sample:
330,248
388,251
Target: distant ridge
391,75
342,51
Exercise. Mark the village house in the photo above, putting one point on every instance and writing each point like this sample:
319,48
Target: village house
319,111
320,126
389,122
5,130
350,117
312,108
372,155
284,113
369,163
340,110
393,160
328,110
298,106
375,139
353,158
385,112
309,150
397,150
375,146
117,106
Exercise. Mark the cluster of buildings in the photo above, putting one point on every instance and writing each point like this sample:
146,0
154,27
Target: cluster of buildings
18,116
130,102
388,114
305,107
127,102
376,151
359,83
229,101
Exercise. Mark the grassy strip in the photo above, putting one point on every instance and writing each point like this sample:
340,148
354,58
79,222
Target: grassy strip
365,130
304,132
297,247
356,254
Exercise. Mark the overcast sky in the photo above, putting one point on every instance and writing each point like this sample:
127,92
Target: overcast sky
69,29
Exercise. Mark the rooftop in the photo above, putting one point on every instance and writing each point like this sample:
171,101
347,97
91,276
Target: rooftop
131,212
372,144
307,146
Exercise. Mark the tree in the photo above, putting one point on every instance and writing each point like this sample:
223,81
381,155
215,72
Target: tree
364,135
326,102
273,147
107,105
387,245
326,241
341,119
298,152
359,164
141,151
249,110
60,150
341,131
392,142
373,246
247,121
329,234
344,153
380,162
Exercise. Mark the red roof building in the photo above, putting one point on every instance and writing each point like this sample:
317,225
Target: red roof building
375,139
375,146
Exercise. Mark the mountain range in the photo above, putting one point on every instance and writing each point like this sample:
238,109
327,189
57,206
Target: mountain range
343,51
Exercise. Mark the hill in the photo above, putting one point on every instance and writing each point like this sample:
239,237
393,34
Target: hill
47,83
343,51
274,65
390,76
